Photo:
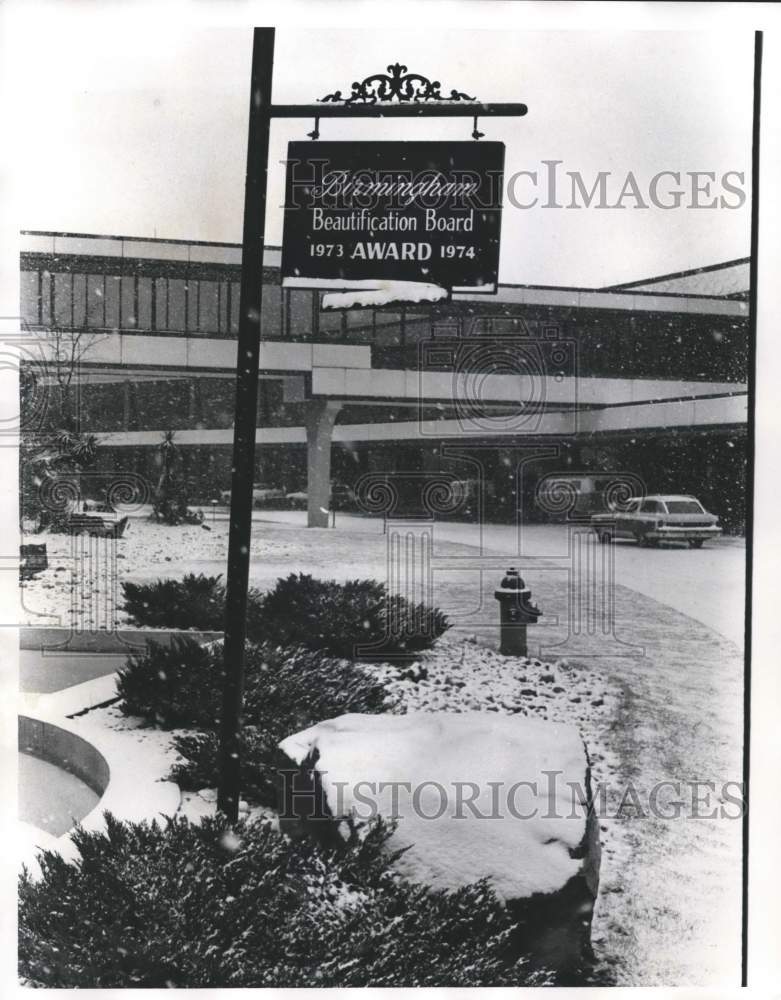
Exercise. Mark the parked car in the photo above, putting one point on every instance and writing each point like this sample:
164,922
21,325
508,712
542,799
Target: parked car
653,519
297,500
342,497
261,494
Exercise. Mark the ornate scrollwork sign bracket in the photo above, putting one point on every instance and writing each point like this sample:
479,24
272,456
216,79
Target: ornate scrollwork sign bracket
397,85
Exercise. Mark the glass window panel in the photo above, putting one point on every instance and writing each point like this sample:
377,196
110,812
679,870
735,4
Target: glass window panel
79,300
330,320
235,292
46,298
419,329
388,334
359,318
111,291
207,306
223,306
176,306
128,318
144,304
300,306
161,303
388,327
29,303
63,315
190,305
684,507
96,303
271,312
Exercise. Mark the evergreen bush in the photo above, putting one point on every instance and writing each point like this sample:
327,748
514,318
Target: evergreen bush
195,602
207,905
286,690
352,619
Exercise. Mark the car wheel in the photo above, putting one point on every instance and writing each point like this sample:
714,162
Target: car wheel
696,543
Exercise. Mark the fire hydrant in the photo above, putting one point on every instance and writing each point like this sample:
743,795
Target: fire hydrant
515,612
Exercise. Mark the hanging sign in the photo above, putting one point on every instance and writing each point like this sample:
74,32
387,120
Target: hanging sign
357,212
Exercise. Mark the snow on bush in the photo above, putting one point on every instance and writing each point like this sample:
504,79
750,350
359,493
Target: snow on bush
197,601
285,690
208,905
338,618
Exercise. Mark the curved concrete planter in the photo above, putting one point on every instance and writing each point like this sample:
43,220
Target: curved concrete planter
65,749
129,775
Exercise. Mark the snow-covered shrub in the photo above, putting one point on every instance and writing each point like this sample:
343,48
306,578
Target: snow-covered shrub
208,905
196,601
350,619
285,690
260,763
340,618
176,685
181,685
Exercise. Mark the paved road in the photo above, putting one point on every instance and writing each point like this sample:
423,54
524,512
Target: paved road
707,584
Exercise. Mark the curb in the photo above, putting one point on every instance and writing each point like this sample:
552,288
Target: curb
58,639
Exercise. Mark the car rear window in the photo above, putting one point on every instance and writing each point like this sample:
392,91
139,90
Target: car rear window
683,507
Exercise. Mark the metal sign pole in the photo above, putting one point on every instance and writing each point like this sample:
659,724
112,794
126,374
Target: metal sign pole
419,101
247,367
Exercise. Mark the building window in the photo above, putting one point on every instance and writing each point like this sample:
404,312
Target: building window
388,327
271,312
299,313
176,305
208,307
47,298
30,297
79,284
330,322
417,326
235,292
111,288
222,306
144,302
63,300
128,318
360,325
161,303
96,300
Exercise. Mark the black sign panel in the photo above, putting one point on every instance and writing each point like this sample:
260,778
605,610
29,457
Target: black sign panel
396,211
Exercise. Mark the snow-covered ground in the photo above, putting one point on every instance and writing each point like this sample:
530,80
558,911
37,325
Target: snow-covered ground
706,584
669,709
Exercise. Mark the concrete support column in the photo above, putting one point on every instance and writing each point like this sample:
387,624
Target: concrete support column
320,419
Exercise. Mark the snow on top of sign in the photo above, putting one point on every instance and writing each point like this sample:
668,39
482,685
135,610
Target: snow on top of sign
380,293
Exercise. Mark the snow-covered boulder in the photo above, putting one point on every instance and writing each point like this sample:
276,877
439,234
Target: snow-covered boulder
476,795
